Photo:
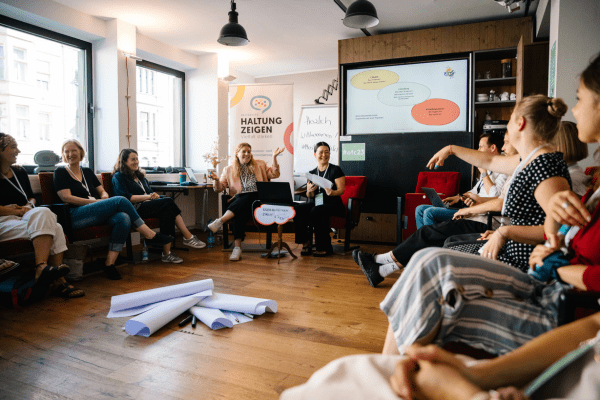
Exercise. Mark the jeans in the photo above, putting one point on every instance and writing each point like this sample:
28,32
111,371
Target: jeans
118,212
427,214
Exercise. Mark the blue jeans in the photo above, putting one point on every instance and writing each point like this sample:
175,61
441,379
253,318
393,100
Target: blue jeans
116,211
427,214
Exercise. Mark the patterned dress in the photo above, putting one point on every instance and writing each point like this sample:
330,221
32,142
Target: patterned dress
522,207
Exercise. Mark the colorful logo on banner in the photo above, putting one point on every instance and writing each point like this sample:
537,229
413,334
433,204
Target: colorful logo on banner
260,103
449,72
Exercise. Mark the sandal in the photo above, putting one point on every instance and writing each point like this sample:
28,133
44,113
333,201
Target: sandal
50,274
67,291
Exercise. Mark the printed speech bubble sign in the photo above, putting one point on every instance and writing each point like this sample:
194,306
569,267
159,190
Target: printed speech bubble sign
435,112
270,214
260,103
404,94
374,79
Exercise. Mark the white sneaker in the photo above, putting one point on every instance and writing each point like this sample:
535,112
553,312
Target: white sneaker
215,225
236,254
194,242
171,258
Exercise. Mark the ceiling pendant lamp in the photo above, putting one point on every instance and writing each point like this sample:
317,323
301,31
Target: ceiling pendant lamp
360,15
233,34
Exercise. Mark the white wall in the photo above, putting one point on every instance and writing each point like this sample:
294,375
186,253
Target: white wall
575,26
308,86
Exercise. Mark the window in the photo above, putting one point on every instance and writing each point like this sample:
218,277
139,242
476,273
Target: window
23,122
2,62
55,73
160,102
44,121
20,64
3,119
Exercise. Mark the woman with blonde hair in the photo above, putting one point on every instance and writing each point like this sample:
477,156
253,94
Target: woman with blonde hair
574,150
91,206
241,178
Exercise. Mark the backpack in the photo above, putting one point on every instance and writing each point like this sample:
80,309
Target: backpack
20,289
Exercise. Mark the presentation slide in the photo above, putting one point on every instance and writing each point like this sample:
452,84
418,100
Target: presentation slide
421,97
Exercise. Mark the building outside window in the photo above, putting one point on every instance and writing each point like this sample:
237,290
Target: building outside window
2,77
46,108
20,64
3,118
160,99
44,123
23,122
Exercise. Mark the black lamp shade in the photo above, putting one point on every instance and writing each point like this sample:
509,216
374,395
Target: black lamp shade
233,34
360,15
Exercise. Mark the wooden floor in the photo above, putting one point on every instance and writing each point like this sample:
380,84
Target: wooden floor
69,349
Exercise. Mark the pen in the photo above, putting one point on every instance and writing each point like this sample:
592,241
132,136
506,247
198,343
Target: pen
248,315
186,320
235,318
194,320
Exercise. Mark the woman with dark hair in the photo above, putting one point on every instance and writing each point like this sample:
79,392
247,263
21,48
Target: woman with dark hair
130,182
91,206
324,203
21,219
241,178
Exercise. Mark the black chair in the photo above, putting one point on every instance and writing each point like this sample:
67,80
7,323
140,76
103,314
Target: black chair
227,245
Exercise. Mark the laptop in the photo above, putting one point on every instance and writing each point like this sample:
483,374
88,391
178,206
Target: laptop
191,176
275,193
436,201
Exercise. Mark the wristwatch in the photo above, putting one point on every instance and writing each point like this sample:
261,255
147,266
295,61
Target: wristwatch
484,174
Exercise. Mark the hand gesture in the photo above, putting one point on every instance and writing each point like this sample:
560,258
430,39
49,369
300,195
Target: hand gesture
566,208
154,196
278,151
538,254
212,175
486,235
471,199
310,187
492,248
328,191
462,213
438,159
451,200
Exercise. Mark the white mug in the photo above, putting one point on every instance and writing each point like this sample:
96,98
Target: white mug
513,96
504,96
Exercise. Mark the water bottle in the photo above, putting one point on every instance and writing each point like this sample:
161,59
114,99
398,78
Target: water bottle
145,252
210,238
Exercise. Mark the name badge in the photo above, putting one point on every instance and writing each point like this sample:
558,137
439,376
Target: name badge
319,199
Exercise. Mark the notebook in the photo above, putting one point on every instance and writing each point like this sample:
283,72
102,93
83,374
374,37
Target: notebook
436,201
275,193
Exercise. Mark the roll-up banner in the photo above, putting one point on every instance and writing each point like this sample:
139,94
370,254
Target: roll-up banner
262,115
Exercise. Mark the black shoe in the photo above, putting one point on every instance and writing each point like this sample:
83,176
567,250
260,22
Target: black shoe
111,272
159,240
369,267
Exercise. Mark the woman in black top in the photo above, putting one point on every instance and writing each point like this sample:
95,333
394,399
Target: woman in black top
91,206
325,203
21,219
129,181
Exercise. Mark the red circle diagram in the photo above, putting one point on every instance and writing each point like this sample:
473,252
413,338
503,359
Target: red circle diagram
435,112
287,138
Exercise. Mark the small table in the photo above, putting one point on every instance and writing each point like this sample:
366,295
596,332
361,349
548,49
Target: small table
268,214
175,190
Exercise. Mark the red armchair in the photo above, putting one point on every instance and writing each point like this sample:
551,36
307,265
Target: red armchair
354,193
445,183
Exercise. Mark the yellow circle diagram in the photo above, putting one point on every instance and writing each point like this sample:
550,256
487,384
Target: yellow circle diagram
375,79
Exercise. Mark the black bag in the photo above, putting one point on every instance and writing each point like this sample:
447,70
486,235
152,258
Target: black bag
20,289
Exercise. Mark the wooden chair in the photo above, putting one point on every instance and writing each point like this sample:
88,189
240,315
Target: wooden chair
354,194
445,183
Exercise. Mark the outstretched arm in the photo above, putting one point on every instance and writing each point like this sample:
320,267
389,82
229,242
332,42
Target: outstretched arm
502,164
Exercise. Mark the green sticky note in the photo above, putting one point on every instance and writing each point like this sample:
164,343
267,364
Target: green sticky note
353,152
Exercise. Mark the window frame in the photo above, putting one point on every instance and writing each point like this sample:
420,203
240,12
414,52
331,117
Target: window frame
177,74
73,42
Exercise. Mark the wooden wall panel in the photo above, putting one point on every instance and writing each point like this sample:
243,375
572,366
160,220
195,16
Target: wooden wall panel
449,39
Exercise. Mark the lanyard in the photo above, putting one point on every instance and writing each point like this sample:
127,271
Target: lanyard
141,185
321,190
82,181
518,171
20,188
